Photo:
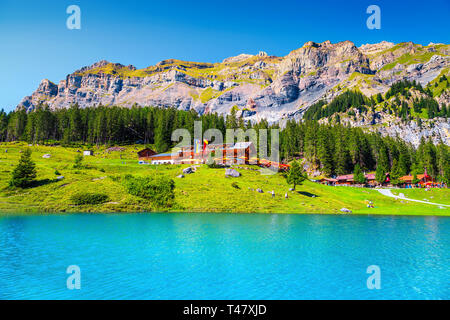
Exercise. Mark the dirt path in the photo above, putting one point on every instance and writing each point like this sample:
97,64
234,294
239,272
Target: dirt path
388,193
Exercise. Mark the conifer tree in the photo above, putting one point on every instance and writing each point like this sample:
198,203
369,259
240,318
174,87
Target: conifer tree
25,172
380,174
295,175
358,175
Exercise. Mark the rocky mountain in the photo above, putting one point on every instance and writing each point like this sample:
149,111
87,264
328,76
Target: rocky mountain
259,86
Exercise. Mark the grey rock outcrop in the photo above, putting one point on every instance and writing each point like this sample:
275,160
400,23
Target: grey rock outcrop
232,173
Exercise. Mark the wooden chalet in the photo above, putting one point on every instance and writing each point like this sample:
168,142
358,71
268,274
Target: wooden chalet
347,180
239,153
145,154
327,181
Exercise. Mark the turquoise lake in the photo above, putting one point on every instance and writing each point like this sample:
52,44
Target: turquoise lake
224,256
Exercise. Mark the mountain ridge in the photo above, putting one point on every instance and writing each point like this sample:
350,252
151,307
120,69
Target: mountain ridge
259,86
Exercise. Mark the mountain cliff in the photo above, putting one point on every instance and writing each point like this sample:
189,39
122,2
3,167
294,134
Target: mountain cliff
259,86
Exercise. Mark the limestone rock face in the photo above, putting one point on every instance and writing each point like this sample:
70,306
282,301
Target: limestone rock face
279,87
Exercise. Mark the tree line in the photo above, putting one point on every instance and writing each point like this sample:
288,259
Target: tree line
332,150
338,149
354,99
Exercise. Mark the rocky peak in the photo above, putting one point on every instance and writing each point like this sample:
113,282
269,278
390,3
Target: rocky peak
370,49
46,87
241,57
262,54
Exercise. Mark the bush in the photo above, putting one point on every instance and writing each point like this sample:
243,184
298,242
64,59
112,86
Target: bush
78,162
57,172
84,198
159,190
215,165
235,185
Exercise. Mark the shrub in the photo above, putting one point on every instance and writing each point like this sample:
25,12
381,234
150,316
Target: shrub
78,162
57,172
235,185
84,198
159,190
25,172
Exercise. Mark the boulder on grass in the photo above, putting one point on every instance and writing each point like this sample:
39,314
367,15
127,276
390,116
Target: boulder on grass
188,170
346,210
259,190
232,173
180,176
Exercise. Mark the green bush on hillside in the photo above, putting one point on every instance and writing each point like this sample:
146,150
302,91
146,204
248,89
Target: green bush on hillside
84,198
78,162
159,190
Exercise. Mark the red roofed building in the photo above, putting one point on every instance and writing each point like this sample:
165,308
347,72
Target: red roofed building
424,180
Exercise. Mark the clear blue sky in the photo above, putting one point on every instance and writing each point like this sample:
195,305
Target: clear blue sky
35,43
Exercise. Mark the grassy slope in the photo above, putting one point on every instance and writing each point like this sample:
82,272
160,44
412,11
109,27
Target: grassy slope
207,190
435,195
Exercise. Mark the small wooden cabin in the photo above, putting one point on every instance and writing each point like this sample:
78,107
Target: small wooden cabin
145,154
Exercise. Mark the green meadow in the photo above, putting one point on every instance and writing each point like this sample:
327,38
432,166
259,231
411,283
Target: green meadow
205,190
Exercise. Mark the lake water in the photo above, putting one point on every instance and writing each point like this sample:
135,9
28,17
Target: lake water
224,256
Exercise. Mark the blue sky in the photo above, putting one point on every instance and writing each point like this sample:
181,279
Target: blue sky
36,44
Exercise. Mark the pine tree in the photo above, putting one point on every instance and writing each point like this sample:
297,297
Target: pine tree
358,175
429,158
395,173
325,152
25,172
295,175
160,135
404,160
343,159
380,174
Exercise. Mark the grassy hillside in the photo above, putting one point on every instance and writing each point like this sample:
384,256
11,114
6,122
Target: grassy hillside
206,190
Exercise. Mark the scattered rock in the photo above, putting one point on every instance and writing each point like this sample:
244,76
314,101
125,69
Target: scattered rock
188,170
115,149
180,176
232,173
60,178
259,190
291,189
47,156
346,210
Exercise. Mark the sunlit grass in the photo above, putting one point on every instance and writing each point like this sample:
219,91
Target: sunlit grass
206,190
